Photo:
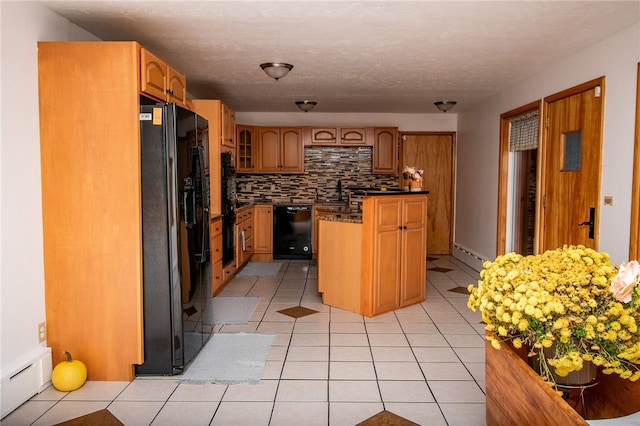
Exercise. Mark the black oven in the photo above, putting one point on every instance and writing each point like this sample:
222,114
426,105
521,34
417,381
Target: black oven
229,199
228,238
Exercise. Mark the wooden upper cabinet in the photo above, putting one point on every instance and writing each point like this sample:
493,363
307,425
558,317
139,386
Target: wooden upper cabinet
246,152
336,136
324,136
159,80
385,150
268,149
228,127
291,150
353,136
280,150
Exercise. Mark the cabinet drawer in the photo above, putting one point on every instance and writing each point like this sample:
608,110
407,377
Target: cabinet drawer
217,276
216,248
216,227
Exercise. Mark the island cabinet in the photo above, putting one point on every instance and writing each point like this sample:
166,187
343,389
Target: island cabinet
280,150
263,232
160,80
375,262
393,252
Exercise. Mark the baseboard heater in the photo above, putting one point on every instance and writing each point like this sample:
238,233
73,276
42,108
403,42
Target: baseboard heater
24,379
468,257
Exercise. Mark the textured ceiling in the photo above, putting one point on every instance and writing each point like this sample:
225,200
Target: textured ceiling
354,56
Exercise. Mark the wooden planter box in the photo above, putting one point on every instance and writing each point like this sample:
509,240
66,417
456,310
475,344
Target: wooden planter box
516,394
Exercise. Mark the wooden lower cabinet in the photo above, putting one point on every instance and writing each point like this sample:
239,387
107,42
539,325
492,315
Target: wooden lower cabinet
263,232
244,236
217,272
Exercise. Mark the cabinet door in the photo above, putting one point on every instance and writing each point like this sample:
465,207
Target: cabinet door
291,150
153,75
228,126
176,90
385,150
414,253
263,231
387,249
246,155
324,136
268,149
353,136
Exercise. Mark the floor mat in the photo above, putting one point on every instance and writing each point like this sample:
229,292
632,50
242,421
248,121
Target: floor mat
230,358
229,310
98,418
297,311
387,418
260,269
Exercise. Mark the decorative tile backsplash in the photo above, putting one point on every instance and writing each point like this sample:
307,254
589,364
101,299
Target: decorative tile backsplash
323,168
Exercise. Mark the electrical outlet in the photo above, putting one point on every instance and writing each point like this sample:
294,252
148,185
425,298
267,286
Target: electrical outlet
608,200
42,332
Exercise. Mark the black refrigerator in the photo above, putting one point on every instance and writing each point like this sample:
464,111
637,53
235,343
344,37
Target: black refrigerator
175,236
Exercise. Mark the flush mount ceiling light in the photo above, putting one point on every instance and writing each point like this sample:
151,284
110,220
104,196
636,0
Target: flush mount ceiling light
445,106
276,70
306,106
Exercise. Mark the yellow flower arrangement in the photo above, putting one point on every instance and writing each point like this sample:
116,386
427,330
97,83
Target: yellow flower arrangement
569,299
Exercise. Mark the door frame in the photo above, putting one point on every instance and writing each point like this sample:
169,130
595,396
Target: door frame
453,134
503,174
634,240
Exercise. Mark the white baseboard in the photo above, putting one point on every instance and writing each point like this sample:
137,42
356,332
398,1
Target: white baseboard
468,257
24,379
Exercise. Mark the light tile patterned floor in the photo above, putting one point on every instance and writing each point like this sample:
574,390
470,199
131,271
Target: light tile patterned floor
424,362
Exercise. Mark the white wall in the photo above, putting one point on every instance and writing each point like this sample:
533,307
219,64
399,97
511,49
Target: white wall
21,258
615,58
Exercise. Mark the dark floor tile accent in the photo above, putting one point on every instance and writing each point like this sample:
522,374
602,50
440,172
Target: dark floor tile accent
387,418
439,269
98,418
190,310
461,290
298,311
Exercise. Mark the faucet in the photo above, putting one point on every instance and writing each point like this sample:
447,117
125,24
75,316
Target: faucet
339,189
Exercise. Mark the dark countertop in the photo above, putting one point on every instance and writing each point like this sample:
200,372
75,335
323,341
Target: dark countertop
344,217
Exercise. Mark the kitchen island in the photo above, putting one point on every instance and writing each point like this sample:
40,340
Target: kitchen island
375,262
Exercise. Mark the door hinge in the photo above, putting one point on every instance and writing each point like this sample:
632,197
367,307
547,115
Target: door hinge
546,122
544,201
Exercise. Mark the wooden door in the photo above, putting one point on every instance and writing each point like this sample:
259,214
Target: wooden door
434,153
268,143
572,166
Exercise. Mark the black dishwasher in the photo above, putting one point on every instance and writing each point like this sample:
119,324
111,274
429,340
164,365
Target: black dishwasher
292,232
